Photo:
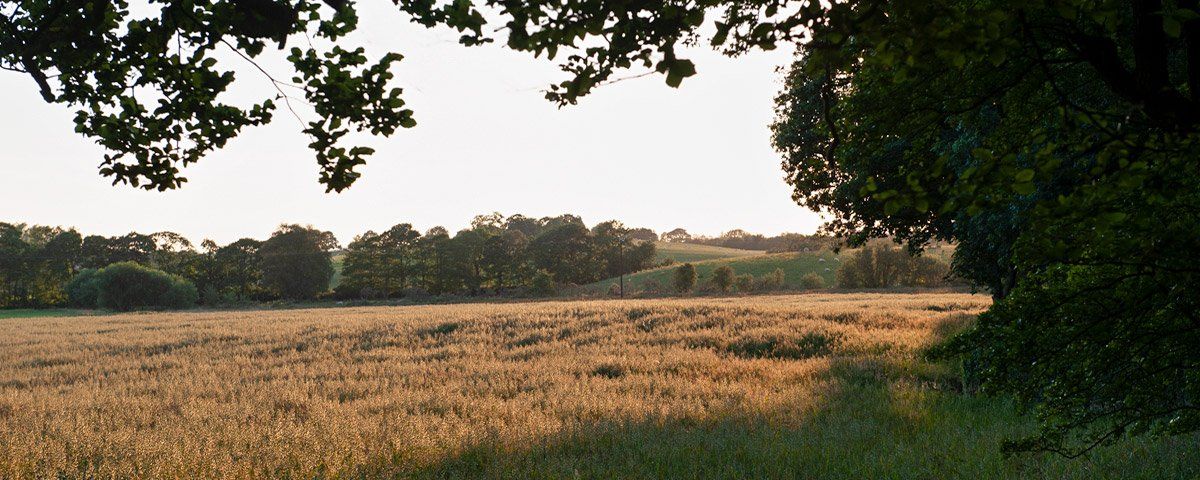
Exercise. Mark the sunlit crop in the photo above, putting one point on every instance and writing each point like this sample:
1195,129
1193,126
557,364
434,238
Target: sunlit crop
807,386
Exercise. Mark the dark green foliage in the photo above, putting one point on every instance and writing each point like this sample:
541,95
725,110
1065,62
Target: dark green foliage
210,296
879,265
1054,142
83,291
542,284
128,286
35,263
563,251
296,262
745,283
91,56
684,279
772,281
386,263
237,269
99,251
723,278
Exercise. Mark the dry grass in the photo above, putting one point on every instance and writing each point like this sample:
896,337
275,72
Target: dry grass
812,386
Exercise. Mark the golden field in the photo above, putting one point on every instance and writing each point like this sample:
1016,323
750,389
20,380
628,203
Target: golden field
787,386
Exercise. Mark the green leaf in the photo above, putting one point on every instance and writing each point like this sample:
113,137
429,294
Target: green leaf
1172,26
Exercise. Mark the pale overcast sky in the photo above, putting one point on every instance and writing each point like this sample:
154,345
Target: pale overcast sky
697,157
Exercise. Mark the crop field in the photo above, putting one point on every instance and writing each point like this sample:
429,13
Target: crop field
694,252
789,386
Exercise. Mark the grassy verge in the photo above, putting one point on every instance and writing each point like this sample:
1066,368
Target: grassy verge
47,312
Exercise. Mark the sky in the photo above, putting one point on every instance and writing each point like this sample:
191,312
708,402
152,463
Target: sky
697,157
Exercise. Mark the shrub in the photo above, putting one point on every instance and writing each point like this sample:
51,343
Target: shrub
745,283
127,285
651,286
772,281
812,281
685,278
83,289
542,284
723,278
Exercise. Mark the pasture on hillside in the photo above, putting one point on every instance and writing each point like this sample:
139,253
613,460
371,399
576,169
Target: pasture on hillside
794,265
785,386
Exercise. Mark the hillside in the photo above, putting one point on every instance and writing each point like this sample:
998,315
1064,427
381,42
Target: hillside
679,252
691,252
794,265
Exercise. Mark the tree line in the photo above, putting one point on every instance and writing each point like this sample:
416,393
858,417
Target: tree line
495,255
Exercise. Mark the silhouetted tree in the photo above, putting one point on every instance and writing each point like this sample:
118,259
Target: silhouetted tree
296,261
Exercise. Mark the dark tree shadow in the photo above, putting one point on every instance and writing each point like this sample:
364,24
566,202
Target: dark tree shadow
874,420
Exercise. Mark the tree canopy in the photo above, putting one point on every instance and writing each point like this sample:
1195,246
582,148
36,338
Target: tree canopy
1055,142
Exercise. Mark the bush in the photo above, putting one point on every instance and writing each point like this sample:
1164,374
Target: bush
745,283
127,285
772,281
812,281
83,289
651,286
685,278
723,278
542,284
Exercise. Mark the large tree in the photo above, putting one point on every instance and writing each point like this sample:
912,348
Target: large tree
1055,142
296,261
35,264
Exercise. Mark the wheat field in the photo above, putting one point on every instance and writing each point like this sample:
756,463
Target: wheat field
789,386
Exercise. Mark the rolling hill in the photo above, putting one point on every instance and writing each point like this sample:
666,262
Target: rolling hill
691,252
794,265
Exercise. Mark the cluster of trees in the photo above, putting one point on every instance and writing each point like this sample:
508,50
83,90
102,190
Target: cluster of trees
723,279
37,263
496,254
880,264
741,239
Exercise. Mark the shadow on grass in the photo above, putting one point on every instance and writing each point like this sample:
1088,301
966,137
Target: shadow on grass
875,420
